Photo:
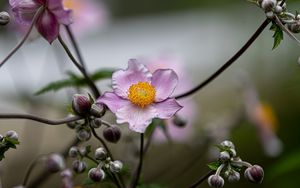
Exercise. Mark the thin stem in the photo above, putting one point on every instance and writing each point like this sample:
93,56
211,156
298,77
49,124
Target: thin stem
29,170
286,30
80,68
114,177
75,45
140,165
40,119
228,63
20,44
202,179
149,140
92,159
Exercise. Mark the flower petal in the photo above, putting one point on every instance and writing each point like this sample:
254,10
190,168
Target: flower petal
47,26
167,108
24,10
123,79
112,101
164,81
138,118
62,15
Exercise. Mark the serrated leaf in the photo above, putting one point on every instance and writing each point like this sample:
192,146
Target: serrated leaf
74,81
278,35
214,165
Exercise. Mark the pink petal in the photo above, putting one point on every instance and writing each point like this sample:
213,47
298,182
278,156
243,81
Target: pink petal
164,81
167,109
62,15
138,118
112,101
24,10
123,79
48,26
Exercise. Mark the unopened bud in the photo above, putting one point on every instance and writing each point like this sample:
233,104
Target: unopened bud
227,144
254,174
112,134
224,156
4,18
270,15
294,27
116,166
73,152
215,181
79,166
66,173
96,174
54,163
100,154
268,5
1,138
83,134
83,151
97,110
179,122
81,104
12,134
233,176
278,9
96,123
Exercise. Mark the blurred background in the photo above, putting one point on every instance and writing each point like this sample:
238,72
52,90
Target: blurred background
255,103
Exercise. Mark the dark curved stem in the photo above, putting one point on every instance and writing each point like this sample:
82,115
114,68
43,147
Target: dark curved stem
228,63
80,68
75,45
140,165
40,119
201,179
20,44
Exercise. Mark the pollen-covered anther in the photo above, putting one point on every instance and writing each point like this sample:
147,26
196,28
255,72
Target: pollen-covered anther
141,94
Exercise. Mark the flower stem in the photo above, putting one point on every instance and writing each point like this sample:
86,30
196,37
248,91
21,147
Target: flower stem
202,179
228,63
137,174
80,68
29,170
40,119
20,44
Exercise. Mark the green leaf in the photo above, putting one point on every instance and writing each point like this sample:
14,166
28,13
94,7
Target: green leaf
214,165
278,35
74,81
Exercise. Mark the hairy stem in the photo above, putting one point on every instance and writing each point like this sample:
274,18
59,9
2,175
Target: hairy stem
20,44
228,63
201,179
40,119
137,174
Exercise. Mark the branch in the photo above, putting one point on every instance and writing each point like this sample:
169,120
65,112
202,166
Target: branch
40,119
228,63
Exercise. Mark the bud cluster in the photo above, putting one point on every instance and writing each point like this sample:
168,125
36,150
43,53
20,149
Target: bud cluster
229,165
272,7
10,140
84,106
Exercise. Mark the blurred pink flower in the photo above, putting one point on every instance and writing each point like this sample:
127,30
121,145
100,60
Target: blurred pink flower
189,112
139,96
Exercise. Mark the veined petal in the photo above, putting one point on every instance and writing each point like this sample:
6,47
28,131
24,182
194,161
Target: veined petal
137,117
24,10
167,108
123,79
48,26
62,15
112,101
164,81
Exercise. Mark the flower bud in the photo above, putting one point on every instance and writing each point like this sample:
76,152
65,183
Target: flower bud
227,144
1,138
179,122
233,176
112,134
12,134
215,181
294,27
96,174
278,9
54,163
4,18
96,123
79,166
116,166
73,152
66,173
81,104
270,15
83,151
254,174
100,154
97,110
224,156
83,134
268,5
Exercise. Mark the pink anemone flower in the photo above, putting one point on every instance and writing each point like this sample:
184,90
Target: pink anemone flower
139,96
49,19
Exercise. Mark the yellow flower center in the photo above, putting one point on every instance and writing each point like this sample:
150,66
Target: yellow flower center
141,94
70,4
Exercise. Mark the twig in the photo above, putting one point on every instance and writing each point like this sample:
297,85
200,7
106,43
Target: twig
40,119
228,63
